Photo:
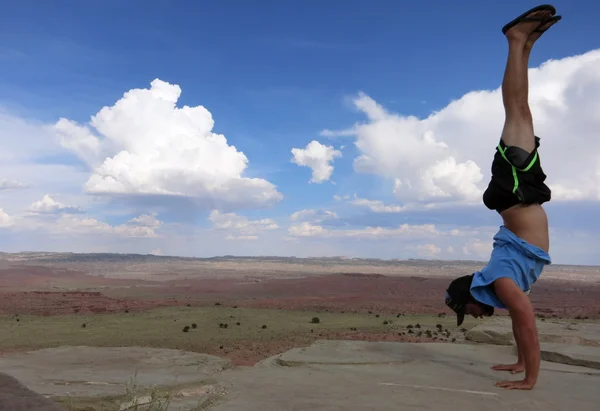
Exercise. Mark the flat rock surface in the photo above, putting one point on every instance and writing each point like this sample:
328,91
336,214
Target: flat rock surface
499,331
91,371
328,375
572,354
355,375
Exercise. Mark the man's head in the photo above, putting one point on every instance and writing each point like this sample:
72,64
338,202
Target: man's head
460,300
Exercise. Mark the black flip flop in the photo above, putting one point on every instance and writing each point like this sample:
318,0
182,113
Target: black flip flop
555,19
523,17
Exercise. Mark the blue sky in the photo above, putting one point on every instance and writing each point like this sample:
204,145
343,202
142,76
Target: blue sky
274,75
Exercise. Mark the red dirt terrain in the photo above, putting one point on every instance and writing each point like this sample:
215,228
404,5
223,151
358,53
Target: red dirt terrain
28,290
250,352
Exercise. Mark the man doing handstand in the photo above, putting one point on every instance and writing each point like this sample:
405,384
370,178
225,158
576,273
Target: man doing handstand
516,191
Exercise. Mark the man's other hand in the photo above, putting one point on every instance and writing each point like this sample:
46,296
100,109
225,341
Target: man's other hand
516,385
524,327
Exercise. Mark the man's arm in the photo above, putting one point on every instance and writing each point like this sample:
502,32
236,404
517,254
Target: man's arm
515,328
524,327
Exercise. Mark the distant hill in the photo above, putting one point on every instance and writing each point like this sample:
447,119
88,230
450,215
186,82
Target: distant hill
118,257
48,257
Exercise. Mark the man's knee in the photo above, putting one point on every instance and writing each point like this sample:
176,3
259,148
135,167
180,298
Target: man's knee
518,109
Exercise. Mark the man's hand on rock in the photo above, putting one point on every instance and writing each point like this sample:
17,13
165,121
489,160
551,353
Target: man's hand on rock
516,385
513,368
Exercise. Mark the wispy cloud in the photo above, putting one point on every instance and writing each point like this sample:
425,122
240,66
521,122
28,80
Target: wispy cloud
6,184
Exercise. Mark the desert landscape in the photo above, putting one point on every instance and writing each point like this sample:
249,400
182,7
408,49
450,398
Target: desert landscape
247,310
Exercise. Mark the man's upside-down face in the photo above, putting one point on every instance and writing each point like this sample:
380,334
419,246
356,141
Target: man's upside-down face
478,310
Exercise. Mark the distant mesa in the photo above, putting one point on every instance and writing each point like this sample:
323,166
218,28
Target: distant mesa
361,275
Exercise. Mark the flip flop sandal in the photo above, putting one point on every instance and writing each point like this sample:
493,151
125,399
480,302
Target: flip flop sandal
555,19
523,17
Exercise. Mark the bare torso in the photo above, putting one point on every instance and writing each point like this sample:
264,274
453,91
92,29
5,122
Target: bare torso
529,223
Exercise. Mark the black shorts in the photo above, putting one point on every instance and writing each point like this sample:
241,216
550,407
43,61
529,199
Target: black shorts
511,185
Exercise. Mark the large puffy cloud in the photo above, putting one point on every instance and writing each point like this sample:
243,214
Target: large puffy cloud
318,158
145,145
405,150
447,156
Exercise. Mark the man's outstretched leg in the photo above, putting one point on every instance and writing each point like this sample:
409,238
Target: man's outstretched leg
518,131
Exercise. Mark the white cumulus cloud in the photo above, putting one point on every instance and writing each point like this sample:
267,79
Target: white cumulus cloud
447,156
76,225
240,227
5,219
377,206
145,145
316,216
307,229
47,205
318,158
148,220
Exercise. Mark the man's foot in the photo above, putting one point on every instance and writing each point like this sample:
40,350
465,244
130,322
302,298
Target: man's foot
537,33
527,16
527,25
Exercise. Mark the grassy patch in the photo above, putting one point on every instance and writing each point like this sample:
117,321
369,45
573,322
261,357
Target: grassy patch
162,327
